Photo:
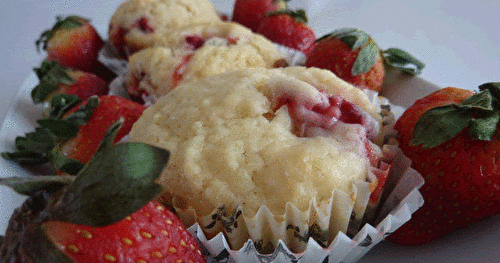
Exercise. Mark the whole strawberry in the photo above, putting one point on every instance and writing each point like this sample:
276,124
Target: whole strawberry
75,43
104,214
354,57
250,12
57,79
452,138
288,28
75,130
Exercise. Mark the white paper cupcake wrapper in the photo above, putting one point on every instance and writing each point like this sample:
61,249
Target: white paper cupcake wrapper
401,203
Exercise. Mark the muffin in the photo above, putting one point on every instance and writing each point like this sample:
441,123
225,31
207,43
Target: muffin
293,145
194,52
136,23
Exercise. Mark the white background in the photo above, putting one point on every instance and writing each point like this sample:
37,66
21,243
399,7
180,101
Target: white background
458,41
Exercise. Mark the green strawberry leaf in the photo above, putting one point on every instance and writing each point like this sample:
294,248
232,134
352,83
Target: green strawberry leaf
353,37
493,87
37,147
485,127
64,164
61,128
403,60
62,103
85,112
29,185
298,15
480,113
366,59
66,23
439,125
110,135
32,149
118,181
480,101
51,74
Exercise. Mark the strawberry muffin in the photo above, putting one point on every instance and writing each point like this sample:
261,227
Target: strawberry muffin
136,23
194,52
278,140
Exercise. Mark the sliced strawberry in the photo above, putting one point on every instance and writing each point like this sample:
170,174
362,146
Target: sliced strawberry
288,28
355,57
250,12
72,134
57,79
74,43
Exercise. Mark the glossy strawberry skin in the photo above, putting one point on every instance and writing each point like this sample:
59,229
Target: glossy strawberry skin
335,55
285,30
90,135
57,79
151,234
250,12
85,86
462,176
76,47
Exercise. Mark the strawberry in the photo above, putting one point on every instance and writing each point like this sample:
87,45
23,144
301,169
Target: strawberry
75,43
354,57
55,78
452,138
75,130
288,28
250,12
103,214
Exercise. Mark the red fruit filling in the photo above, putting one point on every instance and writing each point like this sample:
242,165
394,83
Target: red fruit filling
118,38
144,25
330,117
195,41
179,70
333,110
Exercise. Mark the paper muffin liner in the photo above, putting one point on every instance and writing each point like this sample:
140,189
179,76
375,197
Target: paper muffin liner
401,202
342,230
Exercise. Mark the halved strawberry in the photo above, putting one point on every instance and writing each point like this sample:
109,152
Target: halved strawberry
288,28
71,135
75,43
250,12
103,214
354,57
453,140
55,78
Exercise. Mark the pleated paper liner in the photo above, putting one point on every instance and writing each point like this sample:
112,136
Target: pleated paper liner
300,236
